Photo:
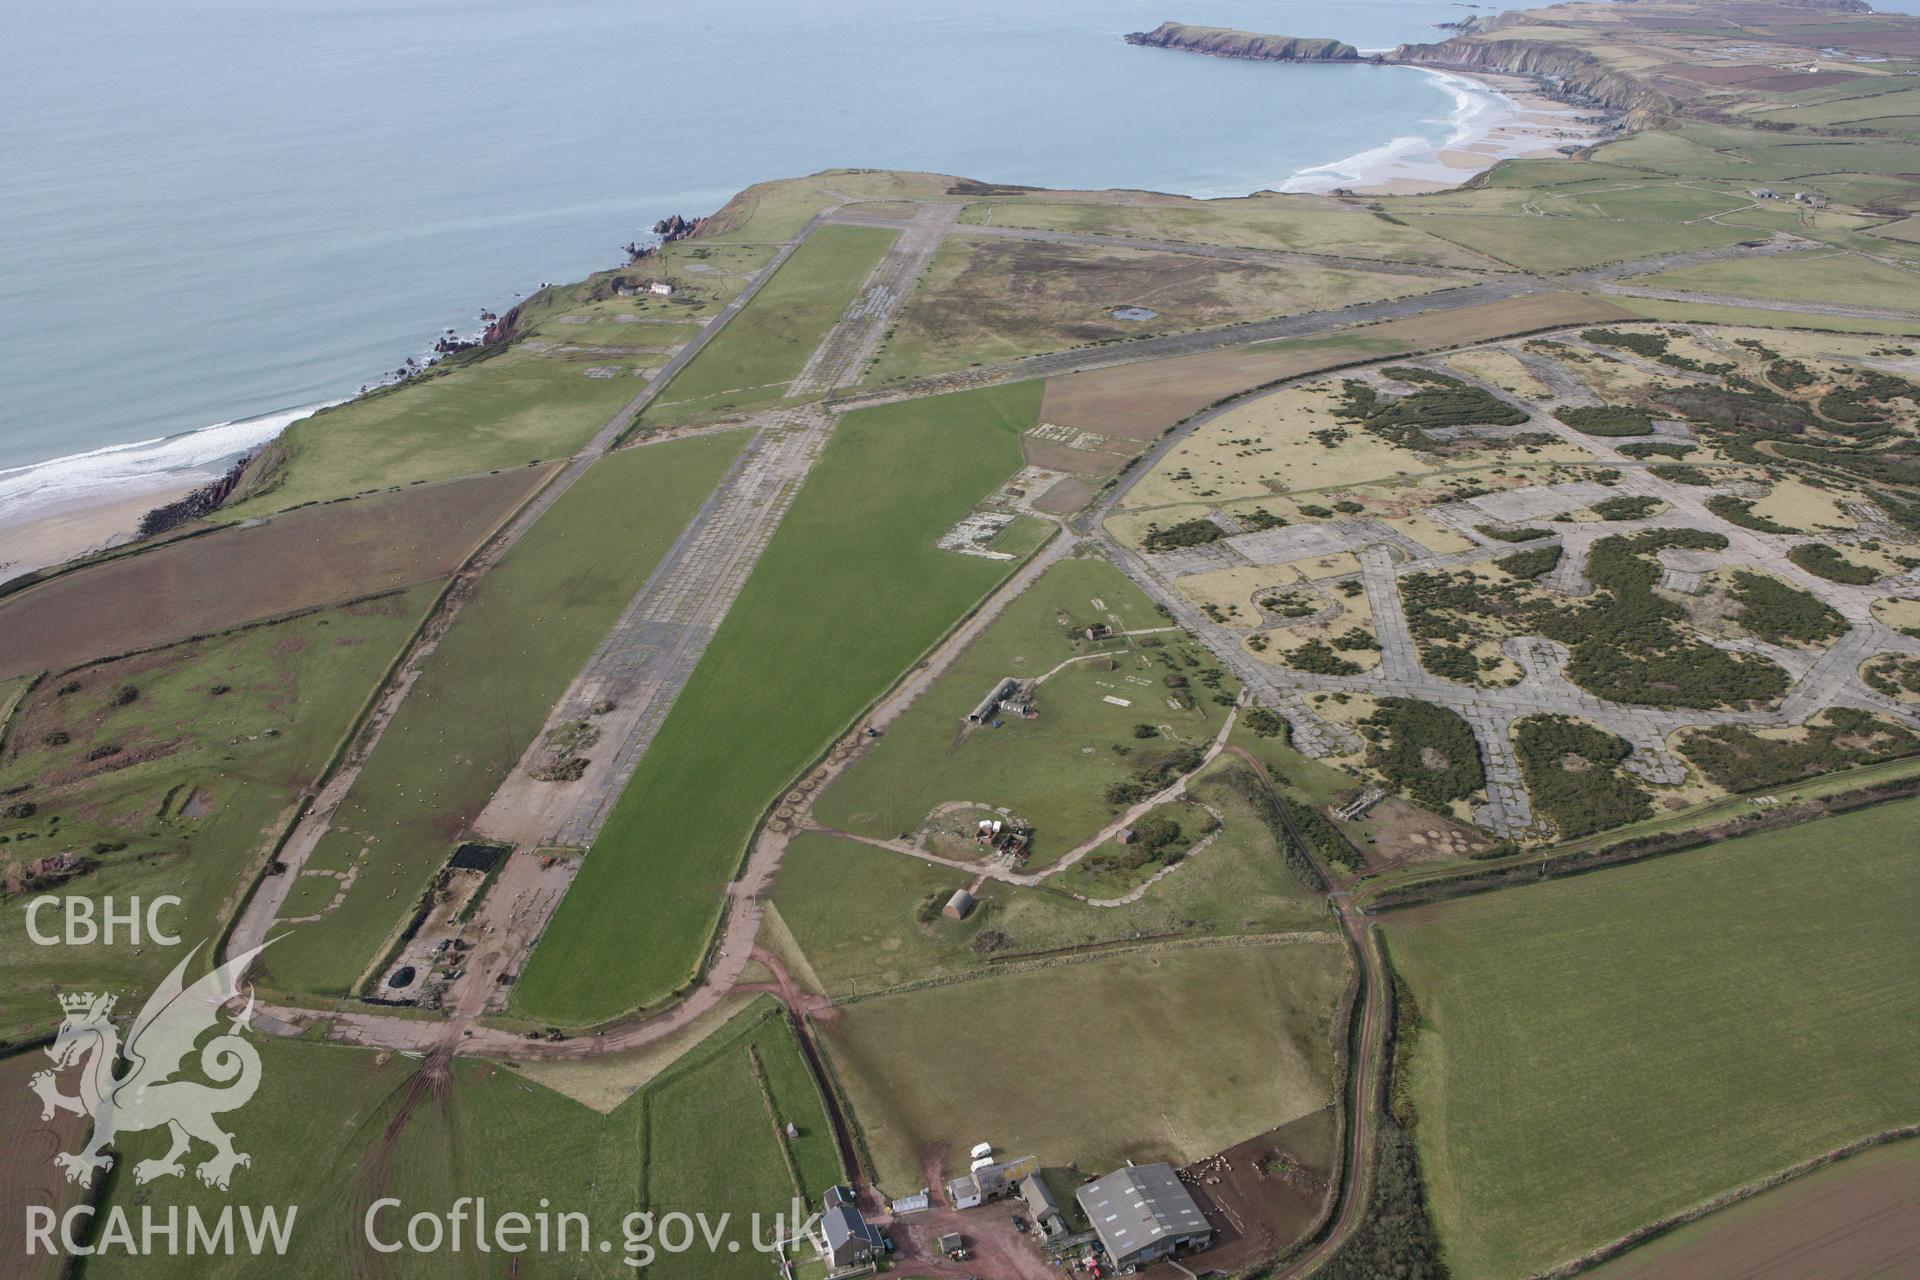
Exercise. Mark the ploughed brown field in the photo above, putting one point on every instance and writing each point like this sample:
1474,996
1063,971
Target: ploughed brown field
1138,401
200,585
28,1176
1858,1219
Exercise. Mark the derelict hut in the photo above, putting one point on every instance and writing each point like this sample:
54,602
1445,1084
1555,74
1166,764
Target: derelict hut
991,703
959,906
1142,1213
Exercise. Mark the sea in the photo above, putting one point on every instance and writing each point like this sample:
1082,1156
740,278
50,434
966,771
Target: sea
216,215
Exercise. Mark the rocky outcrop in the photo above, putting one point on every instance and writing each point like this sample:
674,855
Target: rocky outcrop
668,229
1571,74
500,328
201,502
1225,42
677,228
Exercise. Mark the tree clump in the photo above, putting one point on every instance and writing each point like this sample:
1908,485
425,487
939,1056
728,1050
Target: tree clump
1424,750
1573,775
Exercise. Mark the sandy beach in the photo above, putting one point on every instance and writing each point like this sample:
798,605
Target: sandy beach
74,506
1497,117
51,537
51,512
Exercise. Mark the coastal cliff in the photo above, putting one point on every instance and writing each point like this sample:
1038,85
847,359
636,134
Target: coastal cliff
1565,72
1225,42
1570,74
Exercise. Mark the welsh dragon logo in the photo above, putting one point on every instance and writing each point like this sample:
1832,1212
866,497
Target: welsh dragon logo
151,1093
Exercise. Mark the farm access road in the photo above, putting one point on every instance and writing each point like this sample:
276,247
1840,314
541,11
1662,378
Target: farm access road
1366,1078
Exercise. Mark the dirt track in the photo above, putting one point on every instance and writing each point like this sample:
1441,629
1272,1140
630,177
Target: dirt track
1366,1074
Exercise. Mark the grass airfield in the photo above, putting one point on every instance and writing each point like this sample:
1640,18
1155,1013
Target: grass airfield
1592,1054
850,591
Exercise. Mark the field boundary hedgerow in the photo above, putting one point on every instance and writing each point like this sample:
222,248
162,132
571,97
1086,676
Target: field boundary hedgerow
1091,952
1535,869
17,707
1633,1239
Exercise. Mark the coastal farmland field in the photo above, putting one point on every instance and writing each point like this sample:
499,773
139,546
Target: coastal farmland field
201,585
1820,277
1597,1053
172,772
848,593
1559,230
702,1136
539,613
504,411
1227,1040
768,342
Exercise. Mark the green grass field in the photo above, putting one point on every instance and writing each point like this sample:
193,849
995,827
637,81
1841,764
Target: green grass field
540,613
332,1129
1841,278
1701,150
500,412
199,786
766,344
1055,1062
1709,313
848,593
1051,771
1602,1051
768,212
852,910
1567,243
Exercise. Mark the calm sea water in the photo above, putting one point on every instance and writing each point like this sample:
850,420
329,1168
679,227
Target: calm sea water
215,211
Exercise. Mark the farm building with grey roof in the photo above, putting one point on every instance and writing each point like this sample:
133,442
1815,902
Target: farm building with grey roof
1142,1213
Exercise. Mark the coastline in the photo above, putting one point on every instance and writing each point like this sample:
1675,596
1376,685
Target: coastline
81,528
65,508
1496,117
73,506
